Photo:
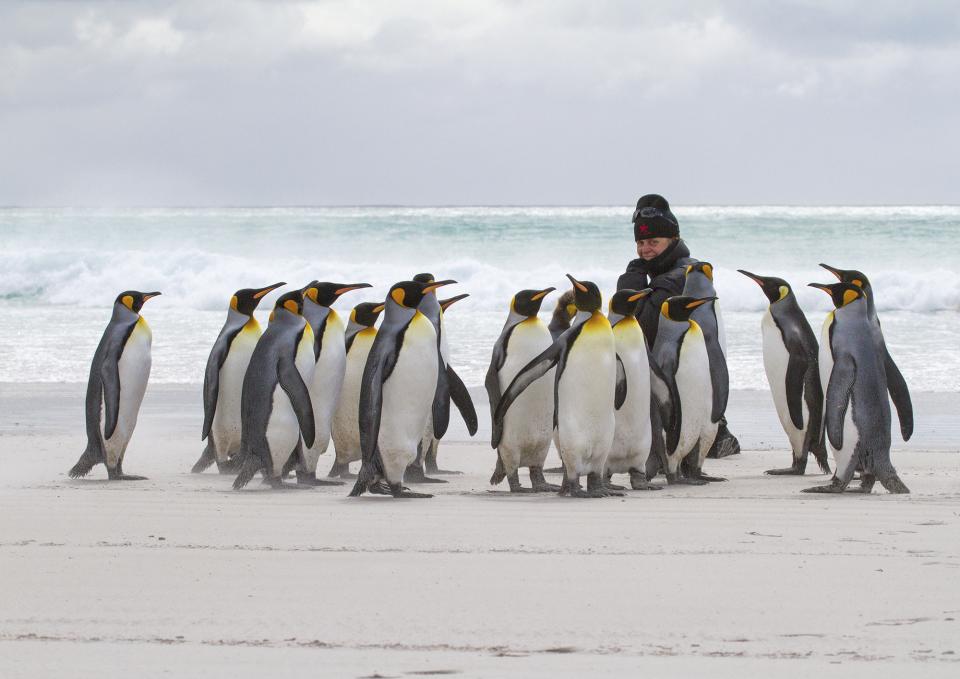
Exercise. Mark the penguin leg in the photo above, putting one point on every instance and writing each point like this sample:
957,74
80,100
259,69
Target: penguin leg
397,490
867,482
893,484
835,486
799,468
207,458
690,469
430,461
341,470
379,488
116,474
514,481
539,483
606,482
277,483
638,481
310,479
415,474
572,488
230,466
597,487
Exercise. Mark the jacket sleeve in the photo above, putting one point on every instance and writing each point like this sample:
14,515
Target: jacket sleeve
633,280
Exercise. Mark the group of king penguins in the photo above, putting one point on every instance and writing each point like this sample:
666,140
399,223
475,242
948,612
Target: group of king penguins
588,382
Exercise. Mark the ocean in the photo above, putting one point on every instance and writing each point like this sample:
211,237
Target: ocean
60,270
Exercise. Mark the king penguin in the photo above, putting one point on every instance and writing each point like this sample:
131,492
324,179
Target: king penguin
359,336
275,407
429,444
528,425
633,437
118,380
449,387
680,352
397,390
856,409
329,351
223,379
790,360
589,384
563,314
899,393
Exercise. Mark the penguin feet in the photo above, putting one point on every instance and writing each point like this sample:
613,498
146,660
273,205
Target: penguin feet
709,479
117,474
397,490
894,485
434,469
277,483
414,474
798,469
340,470
638,481
230,466
554,470
539,483
310,479
572,489
514,481
598,487
835,486
379,488
677,480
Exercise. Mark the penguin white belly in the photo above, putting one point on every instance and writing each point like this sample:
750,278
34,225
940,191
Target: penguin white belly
325,388
408,397
226,418
528,424
283,430
304,360
775,359
346,425
134,369
695,391
632,437
825,364
585,400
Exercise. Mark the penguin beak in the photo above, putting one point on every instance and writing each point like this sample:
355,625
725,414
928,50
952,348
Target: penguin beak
150,295
444,303
267,290
577,284
543,293
640,295
436,284
756,279
697,302
835,272
821,286
377,309
351,286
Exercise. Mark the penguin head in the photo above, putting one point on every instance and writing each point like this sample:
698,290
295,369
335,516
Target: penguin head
325,294
706,268
450,301
679,308
774,288
133,299
625,302
527,302
366,313
842,294
288,303
246,300
851,276
409,294
586,295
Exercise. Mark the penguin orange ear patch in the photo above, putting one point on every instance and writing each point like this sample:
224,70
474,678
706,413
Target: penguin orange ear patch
708,271
128,301
665,309
291,306
849,296
689,269
398,295
233,302
784,291
311,293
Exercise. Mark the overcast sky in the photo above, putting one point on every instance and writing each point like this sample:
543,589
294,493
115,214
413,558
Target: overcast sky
479,102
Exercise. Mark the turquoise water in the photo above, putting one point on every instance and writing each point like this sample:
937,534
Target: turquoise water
61,268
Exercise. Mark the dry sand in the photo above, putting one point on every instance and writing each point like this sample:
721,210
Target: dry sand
179,576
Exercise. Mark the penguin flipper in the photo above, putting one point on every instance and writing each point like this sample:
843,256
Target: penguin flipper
839,391
529,374
292,383
461,398
380,363
719,379
492,381
813,394
110,381
211,378
900,395
665,389
441,400
620,393
796,372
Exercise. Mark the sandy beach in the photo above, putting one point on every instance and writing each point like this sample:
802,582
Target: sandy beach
180,576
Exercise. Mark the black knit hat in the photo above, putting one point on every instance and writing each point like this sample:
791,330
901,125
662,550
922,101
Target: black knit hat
653,219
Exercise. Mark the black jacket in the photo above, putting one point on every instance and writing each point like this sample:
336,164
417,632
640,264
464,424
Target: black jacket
665,273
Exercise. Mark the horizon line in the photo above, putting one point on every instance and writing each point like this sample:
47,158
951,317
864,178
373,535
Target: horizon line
448,205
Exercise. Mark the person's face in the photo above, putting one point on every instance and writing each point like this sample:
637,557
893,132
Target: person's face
648,248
